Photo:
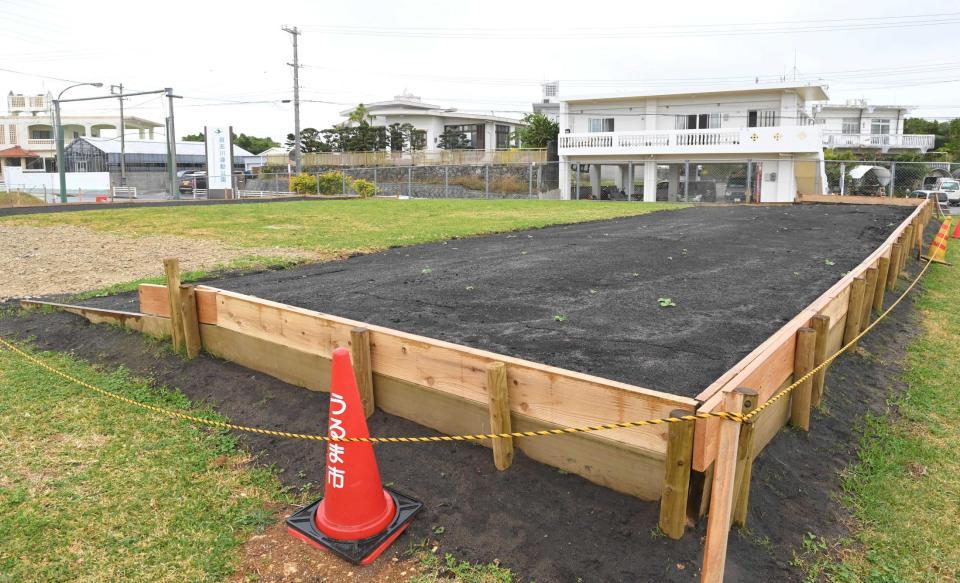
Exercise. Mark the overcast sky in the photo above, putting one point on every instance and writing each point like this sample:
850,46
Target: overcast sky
475,56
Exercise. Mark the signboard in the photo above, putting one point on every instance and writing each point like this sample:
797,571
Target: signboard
219,161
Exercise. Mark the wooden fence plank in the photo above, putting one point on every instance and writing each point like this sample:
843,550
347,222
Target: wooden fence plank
744,471
191,327
676,481
822,326
800,398
171,268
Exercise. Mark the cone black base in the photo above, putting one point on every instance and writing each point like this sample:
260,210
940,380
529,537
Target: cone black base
358,552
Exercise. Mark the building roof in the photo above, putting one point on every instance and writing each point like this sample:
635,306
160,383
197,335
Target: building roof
17,152
275,151
860,104
810,92
409,104
112,146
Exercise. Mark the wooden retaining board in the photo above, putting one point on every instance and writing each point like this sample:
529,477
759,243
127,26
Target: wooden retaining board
769,368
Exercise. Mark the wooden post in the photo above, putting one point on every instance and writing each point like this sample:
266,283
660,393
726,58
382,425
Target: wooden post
171,268
499,414
191,324
676,481
854,309
821,324
741,477
905,251
362,367
894,270
882,274
871,276
721,497
802,364
707,489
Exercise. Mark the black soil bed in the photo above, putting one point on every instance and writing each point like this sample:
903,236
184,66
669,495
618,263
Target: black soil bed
585,297
542,524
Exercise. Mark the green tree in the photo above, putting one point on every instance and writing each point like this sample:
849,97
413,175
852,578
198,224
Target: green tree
197,137
538,131
452,139
311,140
253,144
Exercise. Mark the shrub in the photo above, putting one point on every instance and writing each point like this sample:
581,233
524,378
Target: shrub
332,182
304,184
364,188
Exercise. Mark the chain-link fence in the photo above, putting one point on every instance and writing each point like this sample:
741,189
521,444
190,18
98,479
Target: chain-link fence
884,178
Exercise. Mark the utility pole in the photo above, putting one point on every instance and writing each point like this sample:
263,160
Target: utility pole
295,32
172,140
123,139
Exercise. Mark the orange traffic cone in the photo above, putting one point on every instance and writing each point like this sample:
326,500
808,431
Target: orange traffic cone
357,518
956,231
938,248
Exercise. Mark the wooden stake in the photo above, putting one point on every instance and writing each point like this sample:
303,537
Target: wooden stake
894,270
802,364
362,367
741,479
707,489
821,324
905,251
676,481
854,309
171,268
871,276
500,414
721,497
191,325
882,274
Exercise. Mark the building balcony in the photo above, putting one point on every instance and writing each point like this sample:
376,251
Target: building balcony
744,141
39,142
922,142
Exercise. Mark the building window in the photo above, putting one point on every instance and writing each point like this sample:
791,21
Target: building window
600,124
503,137
41,134
851,125
761,118
697,121
12,133
472,137
35,164
880,126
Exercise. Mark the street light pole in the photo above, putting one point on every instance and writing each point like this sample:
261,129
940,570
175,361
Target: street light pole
61,170
123,139
295,32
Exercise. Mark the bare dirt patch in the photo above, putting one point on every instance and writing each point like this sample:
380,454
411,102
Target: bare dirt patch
275,556
55,260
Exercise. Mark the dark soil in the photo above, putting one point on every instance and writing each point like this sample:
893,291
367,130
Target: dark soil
736,275
543,524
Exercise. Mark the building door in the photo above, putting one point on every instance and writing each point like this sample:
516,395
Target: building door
80,166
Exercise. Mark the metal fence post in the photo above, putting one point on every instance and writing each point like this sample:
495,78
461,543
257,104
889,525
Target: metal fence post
410,181
446,181
629,186
893,180
343,182
375,183
578,180
748,188
276,183
686,180
843,178
530,182
486,181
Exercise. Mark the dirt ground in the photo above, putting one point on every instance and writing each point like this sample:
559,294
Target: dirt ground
585,296
543,524
43,261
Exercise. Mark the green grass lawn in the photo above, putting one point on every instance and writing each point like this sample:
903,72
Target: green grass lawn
342,227
904,490
94,490
8,199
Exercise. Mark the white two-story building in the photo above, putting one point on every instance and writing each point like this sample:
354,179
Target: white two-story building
859,125
479,131
752,143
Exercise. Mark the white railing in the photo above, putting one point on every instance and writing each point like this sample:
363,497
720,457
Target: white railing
712,141
39,142
883,141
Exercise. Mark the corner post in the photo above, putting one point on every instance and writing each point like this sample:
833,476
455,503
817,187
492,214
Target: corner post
676,480
744,471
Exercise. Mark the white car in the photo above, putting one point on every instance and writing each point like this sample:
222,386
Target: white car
952,190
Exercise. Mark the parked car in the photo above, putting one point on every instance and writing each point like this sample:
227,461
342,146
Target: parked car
949,186
940,195
192,180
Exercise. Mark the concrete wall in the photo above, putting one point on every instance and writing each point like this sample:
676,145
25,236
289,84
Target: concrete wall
92,182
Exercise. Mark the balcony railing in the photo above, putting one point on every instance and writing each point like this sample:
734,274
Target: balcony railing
39,142
782,139
921,142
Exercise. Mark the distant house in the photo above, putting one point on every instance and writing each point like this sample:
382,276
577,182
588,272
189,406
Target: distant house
549,104
482,131
857,124
29,124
